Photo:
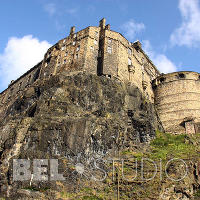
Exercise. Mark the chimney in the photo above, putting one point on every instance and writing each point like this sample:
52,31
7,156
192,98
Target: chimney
137,45
72,31
102,23
108,27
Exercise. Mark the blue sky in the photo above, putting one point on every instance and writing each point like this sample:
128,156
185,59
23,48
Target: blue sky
169,30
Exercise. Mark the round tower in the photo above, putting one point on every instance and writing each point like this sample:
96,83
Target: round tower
177,99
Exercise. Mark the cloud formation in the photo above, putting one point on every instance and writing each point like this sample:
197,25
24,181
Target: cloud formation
131,28
19,56
164,64
188,33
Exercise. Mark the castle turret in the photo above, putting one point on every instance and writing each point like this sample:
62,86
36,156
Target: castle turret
177,101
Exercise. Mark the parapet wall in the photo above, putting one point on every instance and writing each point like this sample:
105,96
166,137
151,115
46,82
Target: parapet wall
177,99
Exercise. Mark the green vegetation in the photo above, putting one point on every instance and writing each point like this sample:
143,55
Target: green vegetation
197,194
31,188
166,146
92,197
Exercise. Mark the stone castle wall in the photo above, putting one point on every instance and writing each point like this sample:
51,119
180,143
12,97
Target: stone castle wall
103,52
178,100
90,50
17,87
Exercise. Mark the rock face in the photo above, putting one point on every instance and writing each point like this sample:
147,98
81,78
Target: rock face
69,115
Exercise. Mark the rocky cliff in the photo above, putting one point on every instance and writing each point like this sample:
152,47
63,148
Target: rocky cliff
82,120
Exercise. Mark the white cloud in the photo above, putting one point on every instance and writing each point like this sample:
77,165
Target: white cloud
188,33
164,64
19,56
131,28
50,8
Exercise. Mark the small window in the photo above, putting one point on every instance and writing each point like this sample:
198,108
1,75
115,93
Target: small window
96,34
75,35
76,56
66,53
65,61
91,47
129,61
129,51
63,48
95,42
78,48
162,79
49,54
20,84
29,78
73,43
58,63
109,41
64,41
109,50
181,75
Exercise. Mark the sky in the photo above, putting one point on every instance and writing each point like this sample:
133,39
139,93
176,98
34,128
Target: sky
168,30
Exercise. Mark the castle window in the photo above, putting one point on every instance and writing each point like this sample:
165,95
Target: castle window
76,56
58,63
20,84
91,47
95,42
96,33
49,54
65,61
181,75
109,50
63,48
129,61
29,78
162,79
129,51
78,48
109,41
73,43
64,41
66,53
75,35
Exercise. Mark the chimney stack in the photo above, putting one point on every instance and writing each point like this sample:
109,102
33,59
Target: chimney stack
72,31
102,23
108,27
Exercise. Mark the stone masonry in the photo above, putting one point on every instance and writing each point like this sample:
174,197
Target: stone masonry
104,52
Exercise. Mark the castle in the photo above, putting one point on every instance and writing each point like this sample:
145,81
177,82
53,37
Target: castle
104,52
